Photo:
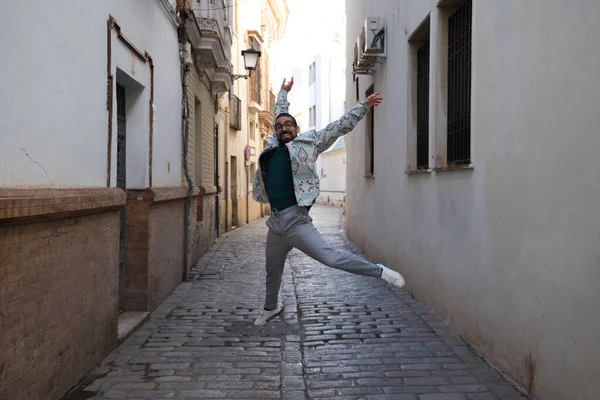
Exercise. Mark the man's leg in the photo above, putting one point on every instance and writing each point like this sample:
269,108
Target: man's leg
276,251
306,238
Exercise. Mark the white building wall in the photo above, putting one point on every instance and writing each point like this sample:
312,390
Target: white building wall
506,252
53,104
332,172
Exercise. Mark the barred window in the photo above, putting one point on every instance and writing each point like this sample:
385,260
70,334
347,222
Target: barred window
459,85
423,106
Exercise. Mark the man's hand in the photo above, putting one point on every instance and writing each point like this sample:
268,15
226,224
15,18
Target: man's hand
287,86
373,100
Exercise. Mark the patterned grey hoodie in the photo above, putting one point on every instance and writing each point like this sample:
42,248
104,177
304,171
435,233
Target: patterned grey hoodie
304,151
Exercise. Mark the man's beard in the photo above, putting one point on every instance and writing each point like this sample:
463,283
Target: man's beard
288,137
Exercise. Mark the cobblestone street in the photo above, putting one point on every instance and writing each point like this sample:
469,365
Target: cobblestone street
341,336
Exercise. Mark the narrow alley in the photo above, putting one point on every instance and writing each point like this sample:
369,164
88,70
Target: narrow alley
341,336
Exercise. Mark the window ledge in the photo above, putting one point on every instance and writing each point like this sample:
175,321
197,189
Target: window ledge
370,176
418,171
449,168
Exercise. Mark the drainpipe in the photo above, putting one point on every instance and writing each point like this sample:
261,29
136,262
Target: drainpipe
185,113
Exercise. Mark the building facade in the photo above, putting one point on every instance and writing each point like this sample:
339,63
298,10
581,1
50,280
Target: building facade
257,24
331,167
206,47
477,177
99,222
326,102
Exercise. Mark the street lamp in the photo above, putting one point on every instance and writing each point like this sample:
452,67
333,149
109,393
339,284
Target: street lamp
250,62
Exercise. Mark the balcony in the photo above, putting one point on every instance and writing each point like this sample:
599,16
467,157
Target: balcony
210,36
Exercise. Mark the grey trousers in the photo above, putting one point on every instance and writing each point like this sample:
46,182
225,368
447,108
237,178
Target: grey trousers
293,227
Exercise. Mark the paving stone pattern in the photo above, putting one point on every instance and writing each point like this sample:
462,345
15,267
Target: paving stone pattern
341,336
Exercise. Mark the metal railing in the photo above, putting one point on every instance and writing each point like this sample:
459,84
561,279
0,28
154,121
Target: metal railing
213,15
459,85
423,106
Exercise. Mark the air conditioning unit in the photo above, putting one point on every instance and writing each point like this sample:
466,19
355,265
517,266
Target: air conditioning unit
361,66
373,33
369,49
359,61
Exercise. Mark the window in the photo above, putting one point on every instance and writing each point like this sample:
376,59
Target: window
370,138
459,85
198,142
252,130
312,116
312,73
418,113
255,80
235,112
423,106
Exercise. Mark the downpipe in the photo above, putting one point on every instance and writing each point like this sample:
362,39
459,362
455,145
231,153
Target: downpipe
186,134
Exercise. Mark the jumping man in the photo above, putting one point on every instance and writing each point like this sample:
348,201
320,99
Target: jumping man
286,179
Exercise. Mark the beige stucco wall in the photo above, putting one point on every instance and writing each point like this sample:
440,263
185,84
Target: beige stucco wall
507,252
200,160
250,16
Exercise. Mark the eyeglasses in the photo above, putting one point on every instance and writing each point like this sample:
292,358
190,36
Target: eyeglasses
287,124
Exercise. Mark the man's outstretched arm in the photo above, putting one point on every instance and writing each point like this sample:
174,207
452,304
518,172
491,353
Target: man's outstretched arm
282,105
326,137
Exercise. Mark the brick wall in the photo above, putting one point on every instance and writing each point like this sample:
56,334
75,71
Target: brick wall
137,249
165,269
58,289
203,233
154,260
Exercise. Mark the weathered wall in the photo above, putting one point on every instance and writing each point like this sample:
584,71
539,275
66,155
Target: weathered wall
58,289
63,119
506,252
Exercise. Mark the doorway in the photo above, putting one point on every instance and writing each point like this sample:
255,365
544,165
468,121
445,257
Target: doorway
234,192
122,184
216,179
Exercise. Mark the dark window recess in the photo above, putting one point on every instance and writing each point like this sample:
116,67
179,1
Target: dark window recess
272,101
370,165
235,112
121,183
255,78
423,106
121,142
459,85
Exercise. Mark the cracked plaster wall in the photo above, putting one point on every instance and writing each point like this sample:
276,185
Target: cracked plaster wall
53,116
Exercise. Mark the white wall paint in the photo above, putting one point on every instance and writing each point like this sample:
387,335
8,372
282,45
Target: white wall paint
333,171
507,253
53,103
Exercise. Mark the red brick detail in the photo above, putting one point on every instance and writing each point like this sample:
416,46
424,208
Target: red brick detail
202,226
200,204
58,293
165,258
19,206
154,250
137,248
169,194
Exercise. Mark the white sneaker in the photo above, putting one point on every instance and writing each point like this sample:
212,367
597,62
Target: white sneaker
392,277
266,316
